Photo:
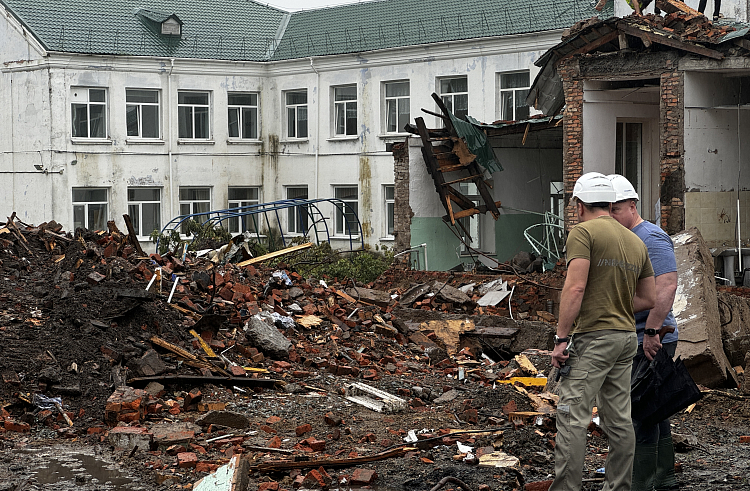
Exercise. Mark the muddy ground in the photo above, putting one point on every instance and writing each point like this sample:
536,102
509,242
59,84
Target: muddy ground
62,336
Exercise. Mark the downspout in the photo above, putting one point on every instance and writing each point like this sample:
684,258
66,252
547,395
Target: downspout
169,132
317,127
12,148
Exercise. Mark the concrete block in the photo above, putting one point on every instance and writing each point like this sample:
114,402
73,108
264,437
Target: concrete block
223,418
735,327
187,460
168,434
128,437
696,308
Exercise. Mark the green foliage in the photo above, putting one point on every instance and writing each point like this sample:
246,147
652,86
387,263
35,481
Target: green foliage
206,237
321,261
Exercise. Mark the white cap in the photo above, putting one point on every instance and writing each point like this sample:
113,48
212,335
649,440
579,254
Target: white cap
594,187
623,188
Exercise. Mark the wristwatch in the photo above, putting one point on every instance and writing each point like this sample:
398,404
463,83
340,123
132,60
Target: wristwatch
650,332
559,340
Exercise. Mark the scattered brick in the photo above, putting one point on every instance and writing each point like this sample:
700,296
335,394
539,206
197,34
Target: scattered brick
363,476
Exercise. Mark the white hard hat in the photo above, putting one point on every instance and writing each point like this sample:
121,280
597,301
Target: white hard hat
594,187
623,188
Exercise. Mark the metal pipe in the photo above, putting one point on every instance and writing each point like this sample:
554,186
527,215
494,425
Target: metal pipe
169,132
424,246
317,126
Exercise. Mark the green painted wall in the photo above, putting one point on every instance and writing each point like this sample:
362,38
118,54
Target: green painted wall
442,244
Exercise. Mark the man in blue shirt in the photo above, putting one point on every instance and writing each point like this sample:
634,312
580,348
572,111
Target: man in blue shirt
653,467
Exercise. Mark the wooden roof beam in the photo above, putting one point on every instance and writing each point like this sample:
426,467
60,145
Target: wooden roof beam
657,37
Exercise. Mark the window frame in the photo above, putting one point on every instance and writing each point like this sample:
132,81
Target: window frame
241,202
192,202
86,206
88,103
452,95
138,217
396,99
241,116
208,105
340,210
139,106
389,205
294,217
514,91
343,105
296,108
472,221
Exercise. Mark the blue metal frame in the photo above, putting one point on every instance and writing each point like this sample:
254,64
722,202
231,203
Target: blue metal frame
217,217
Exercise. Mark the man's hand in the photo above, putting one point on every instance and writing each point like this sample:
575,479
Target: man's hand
558,357
651,346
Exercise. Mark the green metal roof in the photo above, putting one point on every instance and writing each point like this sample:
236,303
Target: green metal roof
251,31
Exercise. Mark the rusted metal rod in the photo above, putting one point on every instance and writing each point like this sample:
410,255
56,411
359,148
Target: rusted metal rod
453,480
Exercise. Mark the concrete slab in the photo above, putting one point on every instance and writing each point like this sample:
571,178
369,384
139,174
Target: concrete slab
735,327
696,308
231,477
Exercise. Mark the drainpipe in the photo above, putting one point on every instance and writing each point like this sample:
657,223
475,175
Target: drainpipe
317,127
169,132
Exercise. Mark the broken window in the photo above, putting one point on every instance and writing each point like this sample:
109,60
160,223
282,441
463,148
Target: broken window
89,109
297,217
243,116
346,210
345,110
455,95
195,200
144,208
514,88
396,106
390,203
240,197
193,115
90,208
296,114
142,113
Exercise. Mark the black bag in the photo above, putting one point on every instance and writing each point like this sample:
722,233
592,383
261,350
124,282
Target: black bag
660,388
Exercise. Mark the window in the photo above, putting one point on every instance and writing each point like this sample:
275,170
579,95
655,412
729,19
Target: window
455,95
296,114
297,217
243,116
396,106
514,87
345,108
89,109
239,197
195,200
90,208
390,204
192,115
470,223
144,208
346,210
629,154
142,113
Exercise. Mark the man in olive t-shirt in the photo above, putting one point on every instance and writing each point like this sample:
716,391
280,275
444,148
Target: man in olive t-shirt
609,278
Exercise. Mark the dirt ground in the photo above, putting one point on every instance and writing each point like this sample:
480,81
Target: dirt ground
62,336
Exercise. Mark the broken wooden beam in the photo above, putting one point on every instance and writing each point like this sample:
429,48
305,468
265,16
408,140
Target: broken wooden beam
265,383
132,235
653,35
671,6
283,465
275,254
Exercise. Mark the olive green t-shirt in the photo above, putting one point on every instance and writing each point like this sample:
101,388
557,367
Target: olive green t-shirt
618,259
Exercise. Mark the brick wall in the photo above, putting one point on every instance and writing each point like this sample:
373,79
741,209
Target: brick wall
572,133
671,149
402,211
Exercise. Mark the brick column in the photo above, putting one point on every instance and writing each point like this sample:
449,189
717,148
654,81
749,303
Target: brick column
572,133
671,150
402,211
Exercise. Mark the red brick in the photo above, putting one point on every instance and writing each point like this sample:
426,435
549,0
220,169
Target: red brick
268,486
315,444
745,439
332,420
176,449
273,420
187,460
237,371
538,486
193,397
268,429
302,429
274,442
206,467
363,476
17,426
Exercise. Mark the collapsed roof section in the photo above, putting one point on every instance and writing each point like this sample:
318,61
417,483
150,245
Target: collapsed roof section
682,28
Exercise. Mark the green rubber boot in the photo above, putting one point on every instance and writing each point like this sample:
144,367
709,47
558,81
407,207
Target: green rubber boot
665,477
644,467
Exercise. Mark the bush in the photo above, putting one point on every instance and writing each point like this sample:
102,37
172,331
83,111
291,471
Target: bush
321,261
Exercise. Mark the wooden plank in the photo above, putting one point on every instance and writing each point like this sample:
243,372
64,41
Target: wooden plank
431,162
527,381
592,45
272,255
662,38
450,209
452,168
467,178
492,332
133,237
670,6
283,465
463,201
346,296
484,192
206,348
474,210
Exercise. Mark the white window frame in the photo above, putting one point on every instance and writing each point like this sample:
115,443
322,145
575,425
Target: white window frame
135,210
394,102
471,223
241,115
294,223
389,205
515,92
233,224
449,98
296,108
193,107
340,210
341,107
86,207
193,202
139,106
81,97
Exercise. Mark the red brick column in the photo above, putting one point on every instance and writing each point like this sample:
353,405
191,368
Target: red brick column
671,150
572,133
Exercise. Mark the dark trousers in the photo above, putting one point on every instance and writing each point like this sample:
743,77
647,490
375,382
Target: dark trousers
652,434
717,7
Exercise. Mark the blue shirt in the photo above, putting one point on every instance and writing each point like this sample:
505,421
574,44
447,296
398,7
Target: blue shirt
661,252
